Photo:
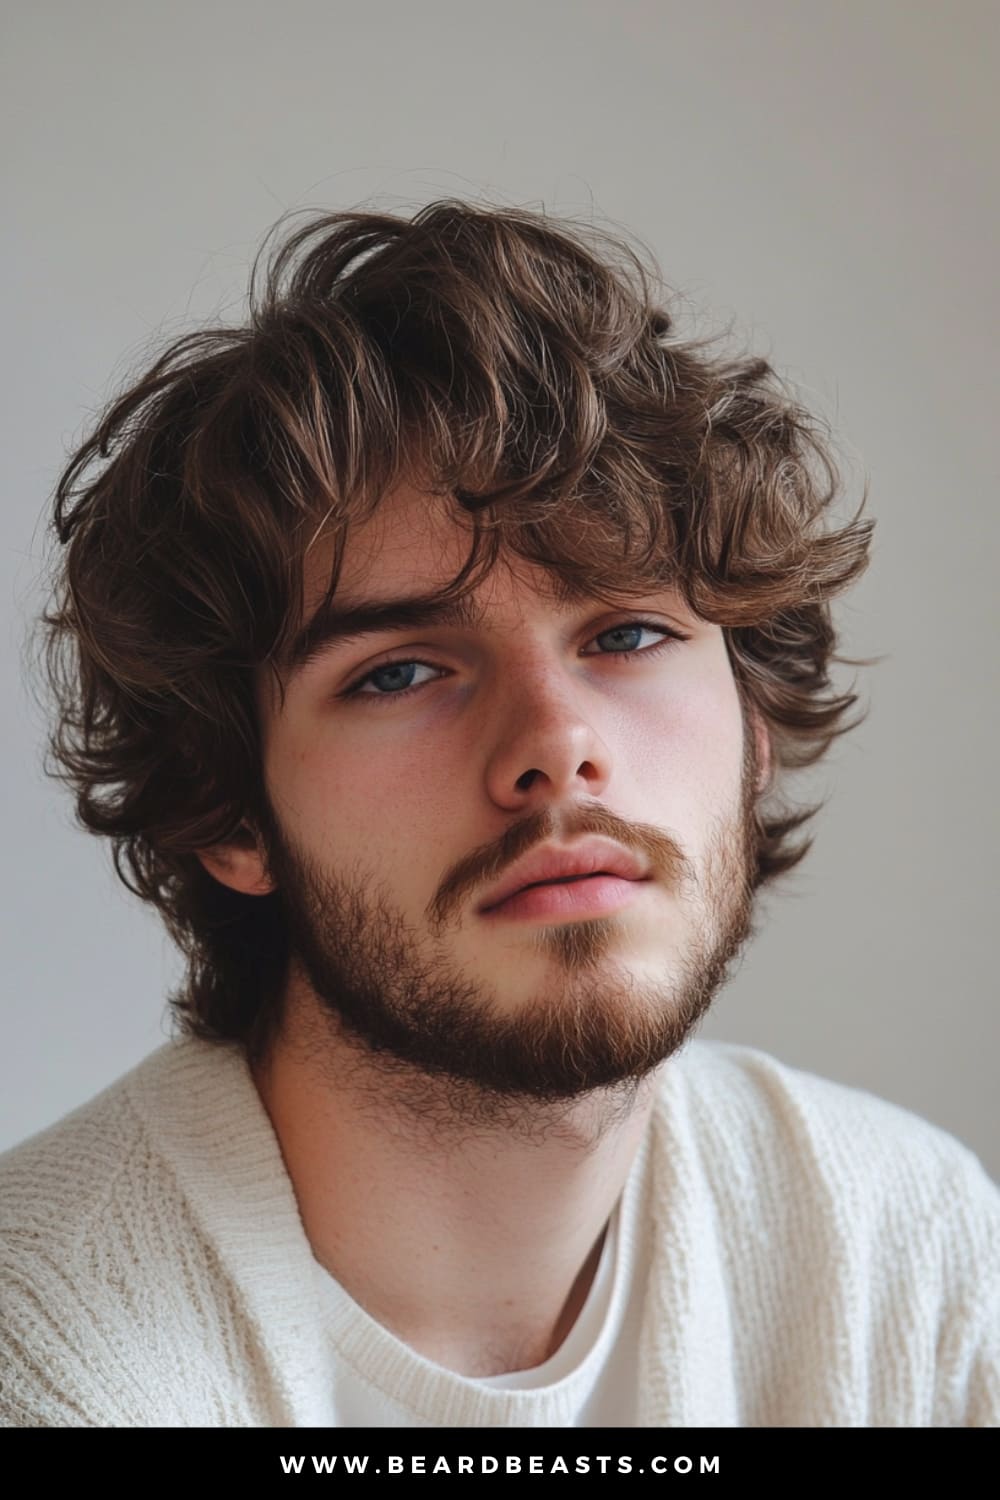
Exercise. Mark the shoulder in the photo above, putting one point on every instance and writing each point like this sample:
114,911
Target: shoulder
761,1112
832,1207
93,1227
57,1185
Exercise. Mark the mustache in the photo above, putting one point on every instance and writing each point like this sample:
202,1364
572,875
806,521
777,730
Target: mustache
484,865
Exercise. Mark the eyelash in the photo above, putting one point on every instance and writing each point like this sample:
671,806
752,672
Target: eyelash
353,691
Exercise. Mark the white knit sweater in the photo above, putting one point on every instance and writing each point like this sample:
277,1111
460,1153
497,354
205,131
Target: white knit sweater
816,1258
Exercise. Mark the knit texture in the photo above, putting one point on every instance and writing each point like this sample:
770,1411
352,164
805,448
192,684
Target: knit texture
813,1257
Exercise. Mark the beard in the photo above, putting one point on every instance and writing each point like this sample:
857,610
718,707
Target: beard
408,1025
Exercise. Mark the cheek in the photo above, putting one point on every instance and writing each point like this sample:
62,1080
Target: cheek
378,809
686,752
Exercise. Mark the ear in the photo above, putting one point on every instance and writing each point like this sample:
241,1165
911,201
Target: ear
765,758
239,863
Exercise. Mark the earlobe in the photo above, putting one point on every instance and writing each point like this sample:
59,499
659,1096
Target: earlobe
239,864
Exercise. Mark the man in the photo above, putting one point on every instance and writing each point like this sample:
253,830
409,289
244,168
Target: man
429,648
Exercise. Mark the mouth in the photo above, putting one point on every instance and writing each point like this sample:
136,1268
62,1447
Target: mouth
568,896
564,880
554,880
566,869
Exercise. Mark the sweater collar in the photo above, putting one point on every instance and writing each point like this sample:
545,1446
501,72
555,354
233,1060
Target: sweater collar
206,1117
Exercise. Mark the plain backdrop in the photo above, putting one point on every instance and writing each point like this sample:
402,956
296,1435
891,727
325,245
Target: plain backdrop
821,177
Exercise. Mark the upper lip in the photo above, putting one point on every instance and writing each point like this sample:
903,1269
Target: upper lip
588,857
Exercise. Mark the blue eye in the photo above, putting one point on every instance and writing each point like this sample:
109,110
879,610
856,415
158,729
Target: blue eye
634,628
389,674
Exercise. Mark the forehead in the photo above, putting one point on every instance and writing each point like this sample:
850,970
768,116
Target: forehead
415,539
416,542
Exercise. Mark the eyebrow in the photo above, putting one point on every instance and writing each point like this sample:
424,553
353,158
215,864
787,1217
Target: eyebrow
339,624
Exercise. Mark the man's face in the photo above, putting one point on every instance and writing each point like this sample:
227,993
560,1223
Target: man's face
396,815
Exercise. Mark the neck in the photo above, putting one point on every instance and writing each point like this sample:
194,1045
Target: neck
470,1228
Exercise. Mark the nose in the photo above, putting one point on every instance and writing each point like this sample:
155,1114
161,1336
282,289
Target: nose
547,751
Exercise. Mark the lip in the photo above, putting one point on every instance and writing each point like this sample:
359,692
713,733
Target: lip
589,896
591,856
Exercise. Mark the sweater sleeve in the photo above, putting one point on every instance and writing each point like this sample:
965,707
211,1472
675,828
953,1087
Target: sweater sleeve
968,1393
861,1247
44,1380
116,1306
64,1296
71,1354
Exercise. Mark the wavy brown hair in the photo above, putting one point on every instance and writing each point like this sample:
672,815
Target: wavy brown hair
526,366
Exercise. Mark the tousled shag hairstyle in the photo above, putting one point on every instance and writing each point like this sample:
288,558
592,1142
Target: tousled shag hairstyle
523,365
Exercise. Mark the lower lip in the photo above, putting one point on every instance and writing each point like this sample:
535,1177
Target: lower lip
592,897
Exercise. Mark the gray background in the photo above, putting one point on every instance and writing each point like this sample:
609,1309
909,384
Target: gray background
821,175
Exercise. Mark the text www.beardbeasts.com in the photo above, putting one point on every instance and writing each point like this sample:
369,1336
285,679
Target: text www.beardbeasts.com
599,1463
